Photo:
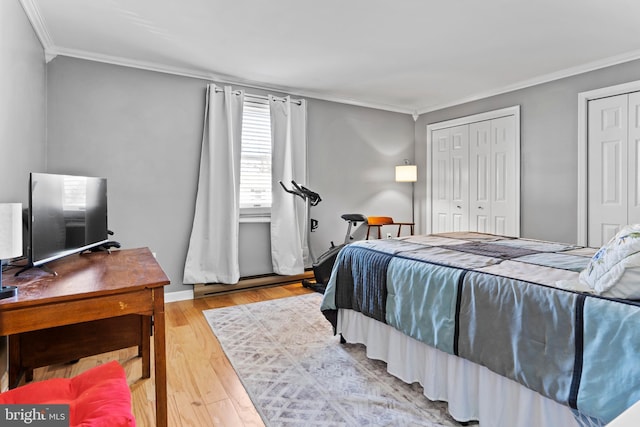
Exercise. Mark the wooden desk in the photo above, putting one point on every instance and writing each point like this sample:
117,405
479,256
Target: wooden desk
93,287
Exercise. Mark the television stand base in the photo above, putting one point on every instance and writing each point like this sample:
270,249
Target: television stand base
105,246
41,267
8,291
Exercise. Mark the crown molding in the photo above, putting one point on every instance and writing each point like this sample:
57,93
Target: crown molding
161,68
49,55
40,27
568,72
185,72
125,62
205,75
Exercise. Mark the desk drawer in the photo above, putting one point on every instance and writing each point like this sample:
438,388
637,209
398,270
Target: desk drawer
54,314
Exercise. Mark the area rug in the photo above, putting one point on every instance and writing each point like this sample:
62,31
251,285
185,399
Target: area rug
298,374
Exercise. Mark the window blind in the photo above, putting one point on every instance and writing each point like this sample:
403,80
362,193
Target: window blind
255,158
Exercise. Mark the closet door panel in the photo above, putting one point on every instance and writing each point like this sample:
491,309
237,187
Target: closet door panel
503,185
608,168
500,226
480,176
441,223
500,183
459,137
441,203
633,210
482,224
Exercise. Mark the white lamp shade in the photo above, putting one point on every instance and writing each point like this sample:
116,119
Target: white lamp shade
406,173
10,230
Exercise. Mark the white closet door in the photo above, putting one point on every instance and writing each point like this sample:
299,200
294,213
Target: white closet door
450,174
440,164
474,181
459,137
608,168
480,177
633,210
503,172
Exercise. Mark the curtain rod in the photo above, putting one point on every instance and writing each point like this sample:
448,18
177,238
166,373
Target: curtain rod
264,97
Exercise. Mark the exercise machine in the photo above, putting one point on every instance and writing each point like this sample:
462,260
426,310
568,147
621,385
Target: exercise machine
311,198
323,265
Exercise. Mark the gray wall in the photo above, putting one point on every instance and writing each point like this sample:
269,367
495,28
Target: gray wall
352,154
549,129
22,103
142,131
22,115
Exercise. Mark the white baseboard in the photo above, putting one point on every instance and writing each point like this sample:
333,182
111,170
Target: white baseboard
178,296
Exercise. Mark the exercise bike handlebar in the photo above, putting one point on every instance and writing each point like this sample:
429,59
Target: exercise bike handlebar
289,191
314,198
303,192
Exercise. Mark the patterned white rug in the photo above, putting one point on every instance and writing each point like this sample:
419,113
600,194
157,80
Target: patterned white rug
298,374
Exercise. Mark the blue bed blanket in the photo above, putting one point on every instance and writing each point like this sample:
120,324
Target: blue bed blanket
500,302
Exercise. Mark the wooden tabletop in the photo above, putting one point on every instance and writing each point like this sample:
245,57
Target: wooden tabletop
85,275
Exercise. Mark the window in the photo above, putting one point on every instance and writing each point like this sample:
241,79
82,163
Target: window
255,160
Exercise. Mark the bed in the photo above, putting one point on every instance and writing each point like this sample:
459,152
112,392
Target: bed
509,331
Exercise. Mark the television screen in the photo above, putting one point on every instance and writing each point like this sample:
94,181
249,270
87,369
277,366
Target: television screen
67,214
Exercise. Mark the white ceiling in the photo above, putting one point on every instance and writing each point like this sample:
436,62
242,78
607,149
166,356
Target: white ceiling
410,56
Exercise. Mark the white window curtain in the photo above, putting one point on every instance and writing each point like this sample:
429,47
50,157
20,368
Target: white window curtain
289,246
212,256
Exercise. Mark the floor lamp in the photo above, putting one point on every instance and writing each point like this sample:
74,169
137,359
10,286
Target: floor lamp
10,239
408,173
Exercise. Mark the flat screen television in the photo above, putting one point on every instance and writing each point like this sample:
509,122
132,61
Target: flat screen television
67,214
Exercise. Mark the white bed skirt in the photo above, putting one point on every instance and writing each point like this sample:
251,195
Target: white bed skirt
472,391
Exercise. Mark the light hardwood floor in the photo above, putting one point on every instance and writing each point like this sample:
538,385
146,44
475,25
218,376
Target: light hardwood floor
203,388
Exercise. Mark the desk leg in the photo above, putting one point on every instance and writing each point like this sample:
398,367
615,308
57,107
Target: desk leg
144,349
160,356
14,360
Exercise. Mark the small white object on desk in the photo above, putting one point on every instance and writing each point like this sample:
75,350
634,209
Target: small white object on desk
10,239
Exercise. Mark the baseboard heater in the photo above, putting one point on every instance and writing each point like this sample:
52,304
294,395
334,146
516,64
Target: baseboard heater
201,290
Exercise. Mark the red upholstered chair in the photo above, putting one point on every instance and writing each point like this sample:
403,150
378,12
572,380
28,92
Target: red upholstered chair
99,397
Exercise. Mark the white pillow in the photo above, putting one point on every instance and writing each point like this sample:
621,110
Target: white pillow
615,269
